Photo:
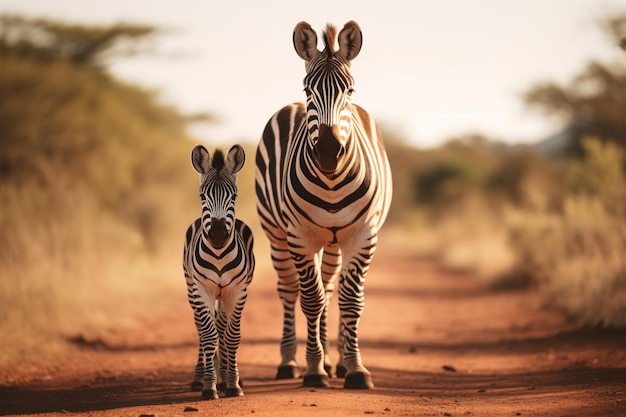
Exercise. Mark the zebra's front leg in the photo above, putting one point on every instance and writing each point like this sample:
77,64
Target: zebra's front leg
229,341
288,291
208,335
312,301
351,304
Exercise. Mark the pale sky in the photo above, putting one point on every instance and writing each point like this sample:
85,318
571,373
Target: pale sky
428,69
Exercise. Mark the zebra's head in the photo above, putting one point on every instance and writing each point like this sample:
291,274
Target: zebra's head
329,86
218,190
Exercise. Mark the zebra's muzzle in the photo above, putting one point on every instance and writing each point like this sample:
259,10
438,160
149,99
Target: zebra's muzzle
218,233
328,151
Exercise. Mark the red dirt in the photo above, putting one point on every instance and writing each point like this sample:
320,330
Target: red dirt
437,344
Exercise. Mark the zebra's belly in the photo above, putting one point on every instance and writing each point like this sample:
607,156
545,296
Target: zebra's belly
322,228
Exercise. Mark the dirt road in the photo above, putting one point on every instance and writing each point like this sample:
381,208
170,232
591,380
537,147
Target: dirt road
437,344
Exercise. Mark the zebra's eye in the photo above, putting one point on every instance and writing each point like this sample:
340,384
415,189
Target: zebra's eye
307,91
350,91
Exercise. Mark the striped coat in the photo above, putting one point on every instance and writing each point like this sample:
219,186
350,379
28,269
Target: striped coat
218,262
323,187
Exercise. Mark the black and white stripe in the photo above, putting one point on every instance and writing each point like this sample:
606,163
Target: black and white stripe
323,188
218,261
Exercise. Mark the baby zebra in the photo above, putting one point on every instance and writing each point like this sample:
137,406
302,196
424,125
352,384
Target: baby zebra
218,264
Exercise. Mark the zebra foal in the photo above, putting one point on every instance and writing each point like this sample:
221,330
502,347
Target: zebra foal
218,262
323,190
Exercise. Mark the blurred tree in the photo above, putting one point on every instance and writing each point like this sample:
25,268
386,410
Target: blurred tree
70,130
615,27
455,170
593,103
85,45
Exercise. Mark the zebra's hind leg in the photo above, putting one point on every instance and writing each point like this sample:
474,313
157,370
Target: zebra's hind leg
196,384
340,370
221,357
331,264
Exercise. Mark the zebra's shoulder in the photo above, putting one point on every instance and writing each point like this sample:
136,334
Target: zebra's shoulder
193,227
369,125
364,115
283,124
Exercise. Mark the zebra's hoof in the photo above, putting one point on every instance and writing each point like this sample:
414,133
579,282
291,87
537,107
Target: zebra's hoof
316,381
358,380
196,386
341,371
234,392
210,394
287,372
221,386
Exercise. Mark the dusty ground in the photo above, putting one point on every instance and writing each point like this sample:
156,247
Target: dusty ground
437,344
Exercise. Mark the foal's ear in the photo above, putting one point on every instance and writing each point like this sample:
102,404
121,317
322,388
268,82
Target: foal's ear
305,41
350,41
235,159
200,159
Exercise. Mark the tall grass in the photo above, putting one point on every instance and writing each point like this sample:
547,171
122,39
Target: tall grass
558,225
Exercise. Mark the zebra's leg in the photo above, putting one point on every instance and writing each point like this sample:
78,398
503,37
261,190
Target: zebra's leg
331,263
288,290
194,300
341,369
312,301
221,358
233,305
351,304
207,332
196,384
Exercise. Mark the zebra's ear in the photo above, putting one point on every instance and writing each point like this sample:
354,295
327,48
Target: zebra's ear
350,41
235,159
305,41
200,159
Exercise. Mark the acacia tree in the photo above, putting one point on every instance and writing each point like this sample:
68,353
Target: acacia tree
80,44
71,132
593,103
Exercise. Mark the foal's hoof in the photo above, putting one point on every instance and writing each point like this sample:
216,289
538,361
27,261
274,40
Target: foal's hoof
329,370
316,381
210,394
234,392
358,380
341,371
287,372
196,386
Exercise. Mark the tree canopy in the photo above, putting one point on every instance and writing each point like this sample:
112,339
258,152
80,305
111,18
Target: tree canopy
593,103
80,44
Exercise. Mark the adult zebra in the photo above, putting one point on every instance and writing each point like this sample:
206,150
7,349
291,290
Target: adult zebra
218,262
323,188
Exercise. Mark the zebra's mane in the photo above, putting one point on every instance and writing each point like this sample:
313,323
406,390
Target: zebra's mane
218,160
329,40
